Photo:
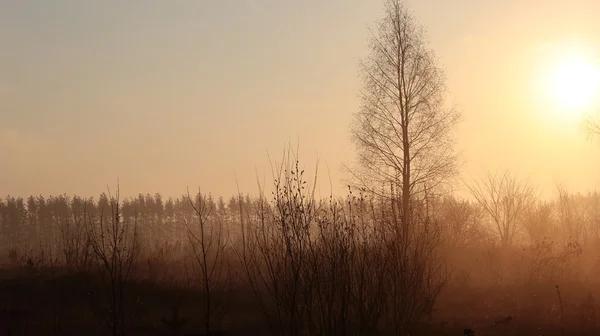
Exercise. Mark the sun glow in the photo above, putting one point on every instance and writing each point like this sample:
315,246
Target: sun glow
569,84
575,84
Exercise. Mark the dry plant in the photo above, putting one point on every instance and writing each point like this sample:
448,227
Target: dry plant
339,267
275,251
347,269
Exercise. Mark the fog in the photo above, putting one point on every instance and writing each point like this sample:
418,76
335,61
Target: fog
315,168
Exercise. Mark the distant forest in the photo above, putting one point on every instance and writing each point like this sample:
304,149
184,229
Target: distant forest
52,222
27,223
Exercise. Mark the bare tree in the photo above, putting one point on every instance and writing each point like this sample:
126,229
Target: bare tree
461,222
403,130
571,215
209,250
115,246
403,133
505,200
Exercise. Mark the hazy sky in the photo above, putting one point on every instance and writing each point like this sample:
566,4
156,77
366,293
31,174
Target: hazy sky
169,94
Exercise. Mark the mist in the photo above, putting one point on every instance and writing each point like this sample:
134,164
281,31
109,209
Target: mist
317,168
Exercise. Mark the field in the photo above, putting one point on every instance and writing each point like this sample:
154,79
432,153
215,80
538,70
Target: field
293,266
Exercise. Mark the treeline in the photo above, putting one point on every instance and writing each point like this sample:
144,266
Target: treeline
26,222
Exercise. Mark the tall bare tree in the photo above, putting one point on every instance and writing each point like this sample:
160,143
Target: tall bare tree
115,246
403,130
505,199
403,133
209,250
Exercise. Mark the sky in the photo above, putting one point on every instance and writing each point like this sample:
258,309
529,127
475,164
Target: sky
165,95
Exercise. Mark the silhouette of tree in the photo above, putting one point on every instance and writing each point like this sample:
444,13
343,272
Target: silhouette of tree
461,221
115,246
221,208
539,222
234,204
403,135
505,200
403,130
169,218
32,214
103,203
159,213
14,220
209,249
571,215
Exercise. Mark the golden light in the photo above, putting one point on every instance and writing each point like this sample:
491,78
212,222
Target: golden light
567,82
575,84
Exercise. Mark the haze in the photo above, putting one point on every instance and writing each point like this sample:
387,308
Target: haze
168,94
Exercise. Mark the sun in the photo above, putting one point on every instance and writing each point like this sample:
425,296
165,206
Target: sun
575,84
566,83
